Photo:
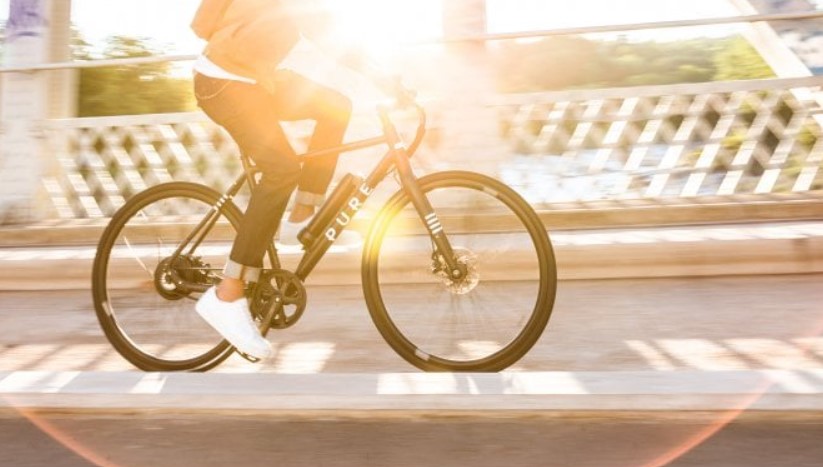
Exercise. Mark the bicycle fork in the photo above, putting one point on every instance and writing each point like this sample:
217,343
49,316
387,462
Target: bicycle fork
429,218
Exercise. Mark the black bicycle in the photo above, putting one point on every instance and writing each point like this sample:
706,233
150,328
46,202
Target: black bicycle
458,271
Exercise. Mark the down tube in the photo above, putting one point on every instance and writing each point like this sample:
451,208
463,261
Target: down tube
344,217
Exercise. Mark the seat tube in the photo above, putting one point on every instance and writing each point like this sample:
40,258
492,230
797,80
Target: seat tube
426,212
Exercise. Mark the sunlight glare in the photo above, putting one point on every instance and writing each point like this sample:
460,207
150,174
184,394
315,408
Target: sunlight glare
381,26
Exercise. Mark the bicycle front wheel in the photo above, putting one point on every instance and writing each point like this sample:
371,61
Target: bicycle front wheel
488,319
144,289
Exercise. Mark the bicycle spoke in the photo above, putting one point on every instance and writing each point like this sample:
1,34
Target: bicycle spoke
485,319
137,258
153,324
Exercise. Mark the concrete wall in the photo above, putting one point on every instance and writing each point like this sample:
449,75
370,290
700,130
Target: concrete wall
37,32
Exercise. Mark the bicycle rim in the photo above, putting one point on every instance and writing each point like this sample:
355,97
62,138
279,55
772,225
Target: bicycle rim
149,320
484,322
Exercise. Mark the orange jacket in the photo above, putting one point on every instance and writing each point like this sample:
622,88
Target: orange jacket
252,38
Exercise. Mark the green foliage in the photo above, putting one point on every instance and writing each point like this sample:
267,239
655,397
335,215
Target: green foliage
739,60
570,62
807,137
557,63
126,90
129,90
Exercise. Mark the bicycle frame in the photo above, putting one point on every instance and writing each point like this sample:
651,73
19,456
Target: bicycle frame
396,158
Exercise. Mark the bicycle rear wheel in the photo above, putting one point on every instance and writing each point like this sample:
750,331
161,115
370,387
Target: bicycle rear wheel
145,312
483,322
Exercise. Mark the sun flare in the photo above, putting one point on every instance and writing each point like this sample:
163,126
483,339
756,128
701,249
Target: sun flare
380,26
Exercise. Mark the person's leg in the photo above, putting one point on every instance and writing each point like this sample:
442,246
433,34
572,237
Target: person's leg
249,114
299,98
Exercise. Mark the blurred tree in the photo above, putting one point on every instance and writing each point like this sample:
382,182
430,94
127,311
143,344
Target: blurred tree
739,60
568,63
129,90
555,63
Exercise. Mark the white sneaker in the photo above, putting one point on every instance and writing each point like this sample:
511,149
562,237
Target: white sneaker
234,322
289,232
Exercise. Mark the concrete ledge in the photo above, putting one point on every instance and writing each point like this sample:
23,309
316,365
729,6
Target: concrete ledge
704,210
560,217
746,249
526,394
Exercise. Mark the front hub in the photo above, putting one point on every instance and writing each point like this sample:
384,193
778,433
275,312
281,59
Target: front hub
465,280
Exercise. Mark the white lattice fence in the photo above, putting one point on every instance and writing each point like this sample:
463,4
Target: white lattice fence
683,141
656,144
103,161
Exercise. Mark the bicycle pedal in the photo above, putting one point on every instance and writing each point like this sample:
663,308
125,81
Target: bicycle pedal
248,357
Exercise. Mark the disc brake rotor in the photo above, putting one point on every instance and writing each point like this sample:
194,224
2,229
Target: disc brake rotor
466,283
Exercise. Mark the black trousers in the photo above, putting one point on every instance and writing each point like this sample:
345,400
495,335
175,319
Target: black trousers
252,116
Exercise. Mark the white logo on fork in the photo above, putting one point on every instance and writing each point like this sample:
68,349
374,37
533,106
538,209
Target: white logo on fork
434,224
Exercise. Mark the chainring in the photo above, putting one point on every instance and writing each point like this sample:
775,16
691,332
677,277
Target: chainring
278,297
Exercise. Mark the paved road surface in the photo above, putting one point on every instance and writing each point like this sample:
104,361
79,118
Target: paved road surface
660,325
664,324
163,440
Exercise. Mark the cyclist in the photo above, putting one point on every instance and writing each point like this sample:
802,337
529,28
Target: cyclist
240,83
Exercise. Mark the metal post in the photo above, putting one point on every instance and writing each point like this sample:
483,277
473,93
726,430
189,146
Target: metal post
780,57
465,80
35,30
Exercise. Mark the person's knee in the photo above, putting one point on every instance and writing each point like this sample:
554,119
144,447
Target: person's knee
279,183
281,172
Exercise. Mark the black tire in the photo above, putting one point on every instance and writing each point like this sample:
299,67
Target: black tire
491,228
157,328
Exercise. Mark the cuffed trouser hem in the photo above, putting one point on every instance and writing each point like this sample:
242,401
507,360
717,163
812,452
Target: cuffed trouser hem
235,270
310,199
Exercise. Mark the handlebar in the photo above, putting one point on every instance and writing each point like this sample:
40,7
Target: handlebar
405,98
421,129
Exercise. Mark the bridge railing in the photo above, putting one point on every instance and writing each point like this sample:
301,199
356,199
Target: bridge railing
658,144
736,143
